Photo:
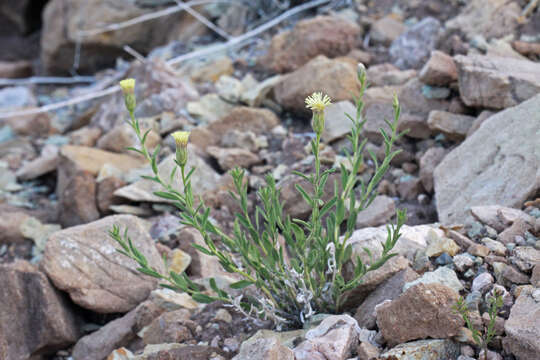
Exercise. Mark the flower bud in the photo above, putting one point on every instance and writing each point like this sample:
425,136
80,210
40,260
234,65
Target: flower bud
317,103
181,138
128,89
317,122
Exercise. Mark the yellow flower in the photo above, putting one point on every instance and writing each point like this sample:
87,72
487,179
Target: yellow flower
181,138
128,86
317,102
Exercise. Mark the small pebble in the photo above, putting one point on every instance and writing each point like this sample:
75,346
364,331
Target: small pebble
469,273
443,259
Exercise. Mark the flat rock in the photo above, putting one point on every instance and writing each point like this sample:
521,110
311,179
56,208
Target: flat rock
506,170
386,30
442,275
336,78
45,163
203,179
264,348
337,125
440,70
424,349
321,35
229,158
422,311
378,213
428,162
388,75
523,326
92,160
496,82
83,261
453,126
499,217
412,48
35,319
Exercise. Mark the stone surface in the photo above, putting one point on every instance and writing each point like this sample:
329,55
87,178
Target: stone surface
499,217
523,326
83,261
337,125
422,311
441,244
378,213
209,108
386,30
442,275
412,48
440,70
260,348
482,282
334,338
506,170
388,290
92,160
335,78
35,318
229,158
525,257
120,137
423,349
489,18
496,82
15,69
322,35
387,75
204,179
453,126
428,162
45,163
170,327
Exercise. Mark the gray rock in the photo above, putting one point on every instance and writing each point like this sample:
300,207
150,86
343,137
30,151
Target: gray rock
525,257
423,349
482,282
83,261
386,30
378,213
523,326
440,70
496,82
428,162
337,124
506,170
453,126
35,319
264,349
412,48
442,275
16,97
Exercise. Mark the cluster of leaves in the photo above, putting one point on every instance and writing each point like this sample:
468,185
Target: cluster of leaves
482,337
294,268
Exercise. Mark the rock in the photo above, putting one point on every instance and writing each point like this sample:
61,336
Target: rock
499,217
508,275
483,116
378,213
113,335
494,246
443,275
440,70
337,125
61,28
525,257
422,311
423,349
83,261
179,351
412,238
229,88
121,137
453,126
463,262
105,197
441,244
387,75
39,233
15,69
202,265
388,290
335,78
229,158
10,226
246,140
35,319
322,35
334,338
45,163
12,98
260,348
92,160
482,282
412,48
386,30
241,118
85,136
209,108
254,96
535,277
209,69
367,351
170,327
409,187
428,162
478,250
489,18
496,82
506,170
203,179
523,326
170,300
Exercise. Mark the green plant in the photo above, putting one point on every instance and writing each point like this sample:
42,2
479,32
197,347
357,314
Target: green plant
483,337
313,280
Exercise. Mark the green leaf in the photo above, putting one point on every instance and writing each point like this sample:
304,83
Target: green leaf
166,195
203,298
240,284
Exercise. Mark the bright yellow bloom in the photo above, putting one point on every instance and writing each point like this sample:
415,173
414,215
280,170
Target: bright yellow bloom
317,102
128,86
181,138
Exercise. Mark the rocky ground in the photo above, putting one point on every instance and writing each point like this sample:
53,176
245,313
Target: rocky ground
467,76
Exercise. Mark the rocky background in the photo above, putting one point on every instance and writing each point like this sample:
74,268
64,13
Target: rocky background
467,76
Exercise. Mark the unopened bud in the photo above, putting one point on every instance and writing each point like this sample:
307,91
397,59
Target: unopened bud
181,138
128,89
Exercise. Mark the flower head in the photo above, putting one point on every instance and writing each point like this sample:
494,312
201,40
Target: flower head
317,102
128,86
181,138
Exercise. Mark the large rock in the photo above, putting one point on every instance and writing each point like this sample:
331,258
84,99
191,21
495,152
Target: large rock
423,349
261,348
489,18
496,82
423,311
523,326
412,48
92,160
506,166
35,319
336,78
204,179
440,70
322,35
64,21
453,126
83,261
